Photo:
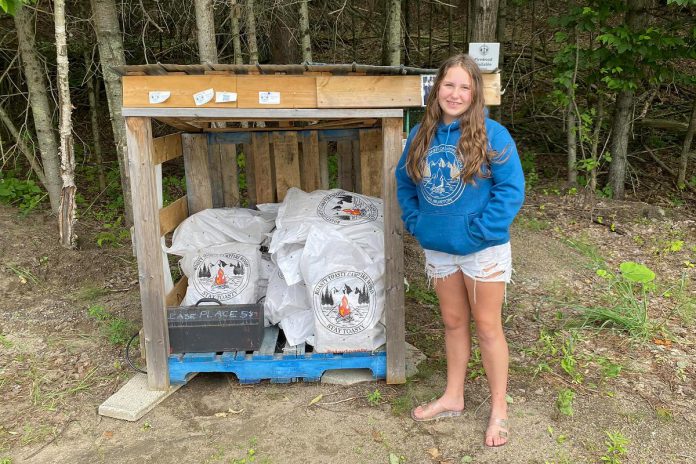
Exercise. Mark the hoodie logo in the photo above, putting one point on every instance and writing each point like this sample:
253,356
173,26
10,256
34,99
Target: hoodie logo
441,184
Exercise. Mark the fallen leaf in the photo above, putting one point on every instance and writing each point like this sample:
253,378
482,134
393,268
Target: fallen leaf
664,342
316,399
434,453
108,434
377,436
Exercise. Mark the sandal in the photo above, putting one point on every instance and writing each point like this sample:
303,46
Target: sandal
440,415
503,432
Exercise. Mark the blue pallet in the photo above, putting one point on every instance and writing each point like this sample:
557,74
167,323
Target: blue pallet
292,365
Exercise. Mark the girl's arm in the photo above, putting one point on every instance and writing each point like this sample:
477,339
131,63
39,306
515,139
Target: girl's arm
507,193
406,191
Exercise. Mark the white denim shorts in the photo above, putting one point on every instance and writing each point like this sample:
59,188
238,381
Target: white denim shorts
492,264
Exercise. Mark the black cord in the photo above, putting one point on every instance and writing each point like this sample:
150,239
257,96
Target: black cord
128,359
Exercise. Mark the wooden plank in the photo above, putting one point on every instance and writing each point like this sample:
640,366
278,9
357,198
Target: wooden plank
394,254
344,154
357,180
230,175
136,90
198,188
215,175
295,91
148,249
265,114
335,135
371,163
286,160
167,148
263,169
172,215
231,135
176,295
385,91
324,165
310,166
249,174
178,124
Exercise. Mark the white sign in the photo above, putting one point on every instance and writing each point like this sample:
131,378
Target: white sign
485,55
203,97
225,97
159,96
269,98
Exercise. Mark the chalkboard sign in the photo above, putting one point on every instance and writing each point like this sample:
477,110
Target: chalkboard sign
215,328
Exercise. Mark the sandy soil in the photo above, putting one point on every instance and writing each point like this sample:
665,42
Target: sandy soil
57,365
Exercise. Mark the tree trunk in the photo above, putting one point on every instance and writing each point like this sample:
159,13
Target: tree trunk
407,35
686,148
110,42
594,152
572,140
235,16
40,107
636,20
21,144
285,47
93,95
66,217
394,33
251,33
304,32
484,21
205,25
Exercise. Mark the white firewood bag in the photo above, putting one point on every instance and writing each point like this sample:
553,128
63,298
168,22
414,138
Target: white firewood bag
359,217
298,327
220,225
283,300
228,273
346,287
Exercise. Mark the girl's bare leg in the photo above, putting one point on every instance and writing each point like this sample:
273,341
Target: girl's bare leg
487,313
456,315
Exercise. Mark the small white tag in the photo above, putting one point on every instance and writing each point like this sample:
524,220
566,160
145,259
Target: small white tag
203,97
159,96
225,97
269,98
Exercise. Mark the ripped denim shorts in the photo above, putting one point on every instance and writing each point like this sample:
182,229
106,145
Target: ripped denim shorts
492,264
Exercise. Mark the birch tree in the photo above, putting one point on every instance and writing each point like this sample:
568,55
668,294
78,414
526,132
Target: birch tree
38,100
484,20
394,33
205,25
304,32
235,16
110,43
251,33
66,218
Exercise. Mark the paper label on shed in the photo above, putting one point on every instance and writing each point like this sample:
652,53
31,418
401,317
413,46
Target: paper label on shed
485,55
225,97
203,97
159,96
269,98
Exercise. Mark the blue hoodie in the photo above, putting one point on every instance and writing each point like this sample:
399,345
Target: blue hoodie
447,215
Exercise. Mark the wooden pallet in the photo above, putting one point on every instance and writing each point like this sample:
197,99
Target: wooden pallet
293,364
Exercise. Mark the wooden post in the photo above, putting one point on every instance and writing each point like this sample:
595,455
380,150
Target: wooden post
394,254
198,183
148,249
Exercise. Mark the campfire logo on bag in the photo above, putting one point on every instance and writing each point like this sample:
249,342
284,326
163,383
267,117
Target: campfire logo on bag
221,276
347,209
344,302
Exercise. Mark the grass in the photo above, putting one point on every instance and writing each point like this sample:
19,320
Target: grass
23,274
117,330
587,249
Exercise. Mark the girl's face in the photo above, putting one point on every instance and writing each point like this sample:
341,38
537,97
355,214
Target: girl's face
455,94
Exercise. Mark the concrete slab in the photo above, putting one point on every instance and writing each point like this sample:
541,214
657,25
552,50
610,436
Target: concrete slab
134,400
351,376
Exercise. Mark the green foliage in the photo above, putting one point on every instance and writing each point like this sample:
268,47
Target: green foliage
374,398
616,447
528,161
24,194
564,402
475,365
422,295
173,188
117,330
627,301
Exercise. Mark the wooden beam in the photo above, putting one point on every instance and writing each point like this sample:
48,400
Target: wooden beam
148,250
286,161
324,165
371,163
230,175
292,91
394,255
310,165
136,90
172,215
176,295
267,114
167,148
198,189
178,124
344,154
263,169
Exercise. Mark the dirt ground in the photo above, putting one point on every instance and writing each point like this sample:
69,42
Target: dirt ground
57,364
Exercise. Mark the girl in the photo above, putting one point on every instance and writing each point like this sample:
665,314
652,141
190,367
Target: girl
460,185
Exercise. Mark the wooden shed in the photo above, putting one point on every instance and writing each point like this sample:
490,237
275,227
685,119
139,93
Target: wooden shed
304,108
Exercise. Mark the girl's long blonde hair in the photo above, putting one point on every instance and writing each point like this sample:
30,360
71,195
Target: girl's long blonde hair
472,147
